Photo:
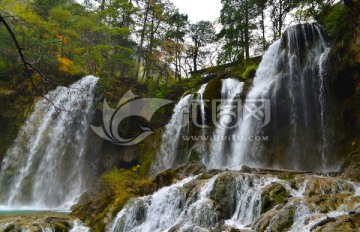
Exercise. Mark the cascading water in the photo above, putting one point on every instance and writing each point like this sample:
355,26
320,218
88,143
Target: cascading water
202,107
47,166
231,88
292,87
153,213
237,200
292,77
201,147
167,156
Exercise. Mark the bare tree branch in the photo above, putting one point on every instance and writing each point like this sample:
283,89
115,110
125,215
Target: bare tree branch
26,65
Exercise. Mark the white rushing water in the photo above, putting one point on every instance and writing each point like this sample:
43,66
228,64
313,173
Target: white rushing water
168,152
202,147
202,106
153,213
194,204
231,88
287,105
78,226
46,166
291,77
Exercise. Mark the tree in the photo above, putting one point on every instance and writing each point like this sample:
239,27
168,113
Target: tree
178,28
261,7
202,34
42,7
279,11
238,19
312,9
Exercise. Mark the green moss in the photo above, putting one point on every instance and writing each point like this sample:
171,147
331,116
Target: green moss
289,221
148,152
194,155
274,195
116,188
9,172
225,185
287,176
9,228
250,71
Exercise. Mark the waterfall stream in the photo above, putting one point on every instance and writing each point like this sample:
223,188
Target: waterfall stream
167,154
231,88
194,204
292,77
287,104
46,167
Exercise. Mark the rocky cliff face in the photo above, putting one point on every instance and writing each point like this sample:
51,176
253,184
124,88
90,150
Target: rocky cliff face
346,88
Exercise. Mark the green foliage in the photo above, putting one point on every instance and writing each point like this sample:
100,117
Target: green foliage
250,71
116,188
336,22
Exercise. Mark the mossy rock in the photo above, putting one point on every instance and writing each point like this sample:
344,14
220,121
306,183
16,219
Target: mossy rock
9,228
283,220
112,191
349,223
273,195
224,194
250,71
212,92
194,155
166,178
190,169
351,166
318,186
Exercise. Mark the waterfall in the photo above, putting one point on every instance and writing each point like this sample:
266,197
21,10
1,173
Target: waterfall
46,167
285,120
79,227
292,77
231,88
202,107
235,200
201,147
168,155
169,208
153,213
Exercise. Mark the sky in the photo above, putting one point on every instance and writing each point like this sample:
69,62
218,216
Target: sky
199,9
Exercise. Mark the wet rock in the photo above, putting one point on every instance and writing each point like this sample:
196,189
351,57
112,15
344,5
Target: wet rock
322,222
322,185
341,224
166,178
9,228
225,185
273,195
283,220
191,169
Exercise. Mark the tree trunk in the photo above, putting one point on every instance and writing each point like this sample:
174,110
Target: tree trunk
263,29
142,38
247,39
196,54
280,17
